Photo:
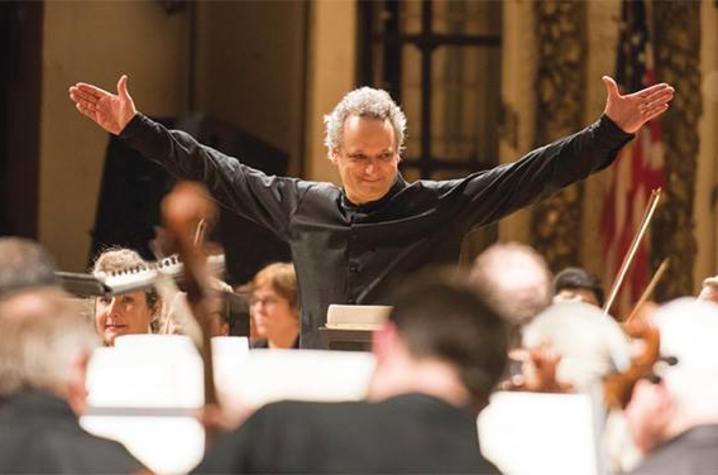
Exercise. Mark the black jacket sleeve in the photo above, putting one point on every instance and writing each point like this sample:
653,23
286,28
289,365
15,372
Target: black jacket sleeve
487,196
269,201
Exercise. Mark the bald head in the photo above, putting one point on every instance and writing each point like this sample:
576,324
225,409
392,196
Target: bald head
689,331
515,280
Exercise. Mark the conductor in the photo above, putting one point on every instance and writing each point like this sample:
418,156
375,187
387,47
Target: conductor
349,243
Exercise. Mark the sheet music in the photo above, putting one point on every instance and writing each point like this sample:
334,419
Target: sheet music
357,317
538,433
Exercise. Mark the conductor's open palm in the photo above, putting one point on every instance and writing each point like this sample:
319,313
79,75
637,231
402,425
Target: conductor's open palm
112,112
631,111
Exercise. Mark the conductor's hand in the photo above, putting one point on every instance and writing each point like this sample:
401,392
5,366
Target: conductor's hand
111,112
631,111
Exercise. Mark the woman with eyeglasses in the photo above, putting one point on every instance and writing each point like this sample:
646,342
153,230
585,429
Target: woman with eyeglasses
274,307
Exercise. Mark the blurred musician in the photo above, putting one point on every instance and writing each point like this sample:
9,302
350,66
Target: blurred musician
44,350
516,281
221,321
709,289
437,360
588,344
675,421
574,347
575,283
24,264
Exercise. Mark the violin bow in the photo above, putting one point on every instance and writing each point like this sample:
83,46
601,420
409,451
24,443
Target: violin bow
628,258
649,290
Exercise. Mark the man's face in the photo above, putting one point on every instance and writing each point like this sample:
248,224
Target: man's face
124,314
367,159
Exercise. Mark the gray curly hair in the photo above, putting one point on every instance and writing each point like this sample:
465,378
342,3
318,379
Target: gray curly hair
364,102
117,259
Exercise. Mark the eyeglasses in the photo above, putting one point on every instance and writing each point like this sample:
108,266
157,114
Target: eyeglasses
264,301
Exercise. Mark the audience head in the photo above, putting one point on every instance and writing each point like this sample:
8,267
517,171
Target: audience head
44,345
24,264
441,324
574,283
124,314
687,392
515,280
591,345
274,304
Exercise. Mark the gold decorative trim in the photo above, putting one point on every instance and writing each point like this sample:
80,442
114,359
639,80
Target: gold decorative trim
560,80
677,50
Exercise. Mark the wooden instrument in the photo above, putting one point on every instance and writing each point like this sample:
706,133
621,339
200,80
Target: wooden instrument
183,209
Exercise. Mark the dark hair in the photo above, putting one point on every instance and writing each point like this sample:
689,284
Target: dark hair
574,278
451,322
24,264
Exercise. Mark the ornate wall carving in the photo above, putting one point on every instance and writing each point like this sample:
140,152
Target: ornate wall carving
560,80
677,50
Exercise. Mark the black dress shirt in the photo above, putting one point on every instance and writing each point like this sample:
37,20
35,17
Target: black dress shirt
412,433
348,254
39,433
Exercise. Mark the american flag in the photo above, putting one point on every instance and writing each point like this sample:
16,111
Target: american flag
640,164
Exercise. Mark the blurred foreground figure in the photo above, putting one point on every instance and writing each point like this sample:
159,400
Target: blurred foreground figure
437,361
709,290
587,344
44,350
574,347
676,421
24,264
515,281
220,318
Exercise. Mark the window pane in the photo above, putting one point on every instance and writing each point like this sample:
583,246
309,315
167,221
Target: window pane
465,102
386,14
410,16
467,16
411,98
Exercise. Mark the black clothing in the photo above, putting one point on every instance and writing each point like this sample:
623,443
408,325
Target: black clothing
694,452
413,433
39,433
345,253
